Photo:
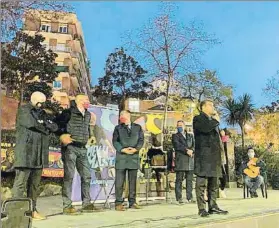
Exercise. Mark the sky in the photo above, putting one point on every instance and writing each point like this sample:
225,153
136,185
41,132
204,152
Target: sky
249,31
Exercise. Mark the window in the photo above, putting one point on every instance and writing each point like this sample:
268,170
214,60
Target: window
60,47
57,85
63,29
134,105
45,28
60,63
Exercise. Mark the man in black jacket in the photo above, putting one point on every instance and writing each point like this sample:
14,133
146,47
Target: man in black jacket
183,144
128,139
74,131
32,148
208,157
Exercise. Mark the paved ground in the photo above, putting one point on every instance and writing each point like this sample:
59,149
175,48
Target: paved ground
158,215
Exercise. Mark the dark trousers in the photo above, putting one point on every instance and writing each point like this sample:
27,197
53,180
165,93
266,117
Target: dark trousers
212,189
189,184
223,180
120,177
74,157
28,179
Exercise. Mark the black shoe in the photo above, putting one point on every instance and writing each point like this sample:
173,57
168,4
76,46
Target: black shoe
191,201
253,194
203,213
217,211
180,202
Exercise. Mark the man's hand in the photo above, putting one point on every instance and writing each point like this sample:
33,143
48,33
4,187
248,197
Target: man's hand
190,152
91,141
216,117
125,150
132,150
129,150
66,139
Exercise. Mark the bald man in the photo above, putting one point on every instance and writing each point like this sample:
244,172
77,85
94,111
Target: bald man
32,148
128,139
74,134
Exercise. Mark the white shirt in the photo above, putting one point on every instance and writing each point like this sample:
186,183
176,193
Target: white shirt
82,111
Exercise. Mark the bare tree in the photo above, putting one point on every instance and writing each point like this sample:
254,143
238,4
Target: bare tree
168,48
12,13
271,89
206,84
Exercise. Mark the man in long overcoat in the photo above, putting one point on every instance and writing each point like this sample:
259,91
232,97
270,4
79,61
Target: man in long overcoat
208,157
183,144
128,139
32,148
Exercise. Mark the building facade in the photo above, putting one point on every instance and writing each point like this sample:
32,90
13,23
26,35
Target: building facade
63,35
156,107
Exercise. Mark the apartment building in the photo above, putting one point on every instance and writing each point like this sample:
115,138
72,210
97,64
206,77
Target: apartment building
63,34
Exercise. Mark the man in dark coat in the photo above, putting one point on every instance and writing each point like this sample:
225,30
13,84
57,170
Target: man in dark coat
32,148
74,130
128,139
208,157
183,144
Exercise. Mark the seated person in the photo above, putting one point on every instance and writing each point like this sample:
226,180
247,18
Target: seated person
253,183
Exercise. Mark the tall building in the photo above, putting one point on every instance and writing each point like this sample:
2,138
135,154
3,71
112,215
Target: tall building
63,34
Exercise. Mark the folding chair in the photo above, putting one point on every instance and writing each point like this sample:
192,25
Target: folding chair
107,203
103,187
148,176
263,188
98,174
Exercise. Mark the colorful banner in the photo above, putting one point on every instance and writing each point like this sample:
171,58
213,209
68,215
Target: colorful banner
152,124
101,156
55,168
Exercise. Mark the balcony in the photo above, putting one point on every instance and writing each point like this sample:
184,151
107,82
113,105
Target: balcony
75,82
75,54
60,69
60,48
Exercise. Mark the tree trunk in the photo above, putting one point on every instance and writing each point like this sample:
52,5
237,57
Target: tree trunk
121,105
166,107
242,137
21,94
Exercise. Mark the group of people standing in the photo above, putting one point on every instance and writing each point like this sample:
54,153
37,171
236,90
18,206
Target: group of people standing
201,154
33,127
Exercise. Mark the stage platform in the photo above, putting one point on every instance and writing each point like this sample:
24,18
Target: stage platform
254,213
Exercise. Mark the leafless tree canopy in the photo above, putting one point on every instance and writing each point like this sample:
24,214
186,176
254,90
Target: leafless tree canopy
169,47
205,84
12,13
271,89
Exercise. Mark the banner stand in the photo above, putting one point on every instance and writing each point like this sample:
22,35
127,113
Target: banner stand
103,187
